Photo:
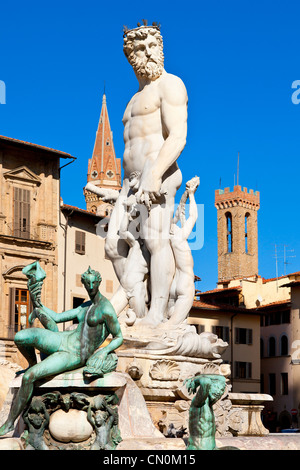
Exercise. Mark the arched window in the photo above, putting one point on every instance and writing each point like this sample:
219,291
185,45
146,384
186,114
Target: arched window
284,345
272,346
247,216
229,232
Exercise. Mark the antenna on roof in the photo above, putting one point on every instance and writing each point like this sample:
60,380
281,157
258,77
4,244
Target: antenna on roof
276,258
285,256
238,164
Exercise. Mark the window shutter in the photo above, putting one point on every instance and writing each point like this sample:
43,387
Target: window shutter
16,227
77,241
237,335
226,334
80,242
83,242
11,325
248,370
249,336
21,223
26,213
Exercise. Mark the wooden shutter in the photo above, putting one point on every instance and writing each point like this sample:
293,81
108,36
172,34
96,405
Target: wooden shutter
200,329
226,334
237,335
249,336
222,332
26,212
16,227
11,321
80,242
248,370
236,369
21,226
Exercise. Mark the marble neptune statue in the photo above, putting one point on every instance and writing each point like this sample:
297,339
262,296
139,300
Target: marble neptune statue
155,129
150,253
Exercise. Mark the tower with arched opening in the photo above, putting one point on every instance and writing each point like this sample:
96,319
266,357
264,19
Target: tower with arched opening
237,232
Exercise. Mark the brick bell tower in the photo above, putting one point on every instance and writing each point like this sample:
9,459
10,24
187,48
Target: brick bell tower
104,169
237,232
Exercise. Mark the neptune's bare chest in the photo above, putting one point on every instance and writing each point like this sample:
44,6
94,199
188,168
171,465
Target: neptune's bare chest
142,104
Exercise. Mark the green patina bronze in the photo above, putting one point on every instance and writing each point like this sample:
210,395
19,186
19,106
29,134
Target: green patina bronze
208,390
101,411
65,350
36,418
103,417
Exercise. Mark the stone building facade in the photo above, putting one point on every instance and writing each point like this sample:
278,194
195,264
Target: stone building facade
29,218
237,232
280,352
81,244
221,312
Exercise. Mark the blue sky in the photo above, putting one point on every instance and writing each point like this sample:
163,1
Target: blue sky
238,60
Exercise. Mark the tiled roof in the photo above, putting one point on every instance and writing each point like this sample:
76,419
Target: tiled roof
223,290
274,304
40,147
291,284
220,307
77,209
281,277
204,305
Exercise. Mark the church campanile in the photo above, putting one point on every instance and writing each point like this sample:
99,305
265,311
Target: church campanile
237,232
104,169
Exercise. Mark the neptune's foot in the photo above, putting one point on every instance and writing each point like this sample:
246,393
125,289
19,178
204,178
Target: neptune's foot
149,320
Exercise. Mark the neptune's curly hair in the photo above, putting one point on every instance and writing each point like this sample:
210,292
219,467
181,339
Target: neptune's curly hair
91,272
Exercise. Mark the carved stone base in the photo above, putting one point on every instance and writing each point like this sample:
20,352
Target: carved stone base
161,382
64,413
250,406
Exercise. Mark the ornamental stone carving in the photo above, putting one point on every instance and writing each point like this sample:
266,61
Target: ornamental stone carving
165,370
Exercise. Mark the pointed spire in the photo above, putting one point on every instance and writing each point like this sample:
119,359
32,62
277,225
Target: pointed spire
104,169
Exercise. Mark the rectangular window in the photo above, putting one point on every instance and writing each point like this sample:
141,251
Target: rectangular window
20,308
80,242
200,329
21,224
76,301
243,370
284,384
243,335
222,332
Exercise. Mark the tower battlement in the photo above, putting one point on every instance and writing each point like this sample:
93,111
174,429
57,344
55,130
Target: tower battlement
238,197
